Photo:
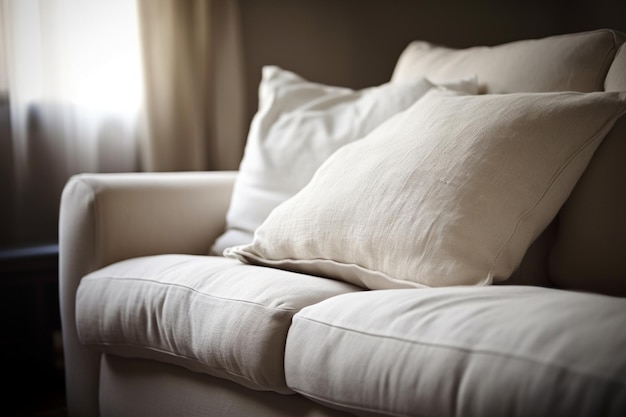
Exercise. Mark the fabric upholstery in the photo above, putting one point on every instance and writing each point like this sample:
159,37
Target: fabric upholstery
586,61
208,314
463,352
109,217
577,62
299,124
145,388
589,254
616,77
450,192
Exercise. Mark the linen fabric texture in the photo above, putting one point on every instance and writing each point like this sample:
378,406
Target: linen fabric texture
298,125
585,251
572,62
208,314
462,351
136,387
589,255
451,191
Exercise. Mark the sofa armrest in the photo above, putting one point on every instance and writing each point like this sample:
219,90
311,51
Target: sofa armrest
111,217
105,218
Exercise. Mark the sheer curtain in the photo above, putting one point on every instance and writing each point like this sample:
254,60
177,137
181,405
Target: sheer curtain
74,91
111,86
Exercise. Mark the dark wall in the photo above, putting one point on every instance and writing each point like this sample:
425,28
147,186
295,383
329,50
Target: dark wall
355,43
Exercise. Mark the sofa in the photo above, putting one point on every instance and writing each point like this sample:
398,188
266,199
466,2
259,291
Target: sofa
449,243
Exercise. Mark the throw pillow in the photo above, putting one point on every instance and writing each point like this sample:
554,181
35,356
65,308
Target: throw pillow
298,125
451,191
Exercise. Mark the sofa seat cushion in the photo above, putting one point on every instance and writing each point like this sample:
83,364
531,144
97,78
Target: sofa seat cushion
463,351
208,314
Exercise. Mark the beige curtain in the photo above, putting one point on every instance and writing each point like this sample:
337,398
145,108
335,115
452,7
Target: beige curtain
194,85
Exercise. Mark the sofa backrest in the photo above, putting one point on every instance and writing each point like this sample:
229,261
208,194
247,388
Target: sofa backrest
616,77
585,246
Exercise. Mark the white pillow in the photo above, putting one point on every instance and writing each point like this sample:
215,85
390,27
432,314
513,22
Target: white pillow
298,125
451,191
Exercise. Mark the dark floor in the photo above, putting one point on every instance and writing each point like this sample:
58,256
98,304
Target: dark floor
47,406
42,398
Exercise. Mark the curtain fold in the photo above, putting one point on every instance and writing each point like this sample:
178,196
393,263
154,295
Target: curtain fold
194,96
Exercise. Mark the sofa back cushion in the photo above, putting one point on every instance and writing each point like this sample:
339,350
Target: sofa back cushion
577,62
589,254
583,247
616,78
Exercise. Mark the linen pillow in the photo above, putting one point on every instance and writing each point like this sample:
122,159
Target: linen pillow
298,125
451,191
532,65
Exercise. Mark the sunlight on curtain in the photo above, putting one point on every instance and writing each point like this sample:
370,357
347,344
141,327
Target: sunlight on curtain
73,74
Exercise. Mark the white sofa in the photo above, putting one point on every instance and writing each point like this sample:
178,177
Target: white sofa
153,326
